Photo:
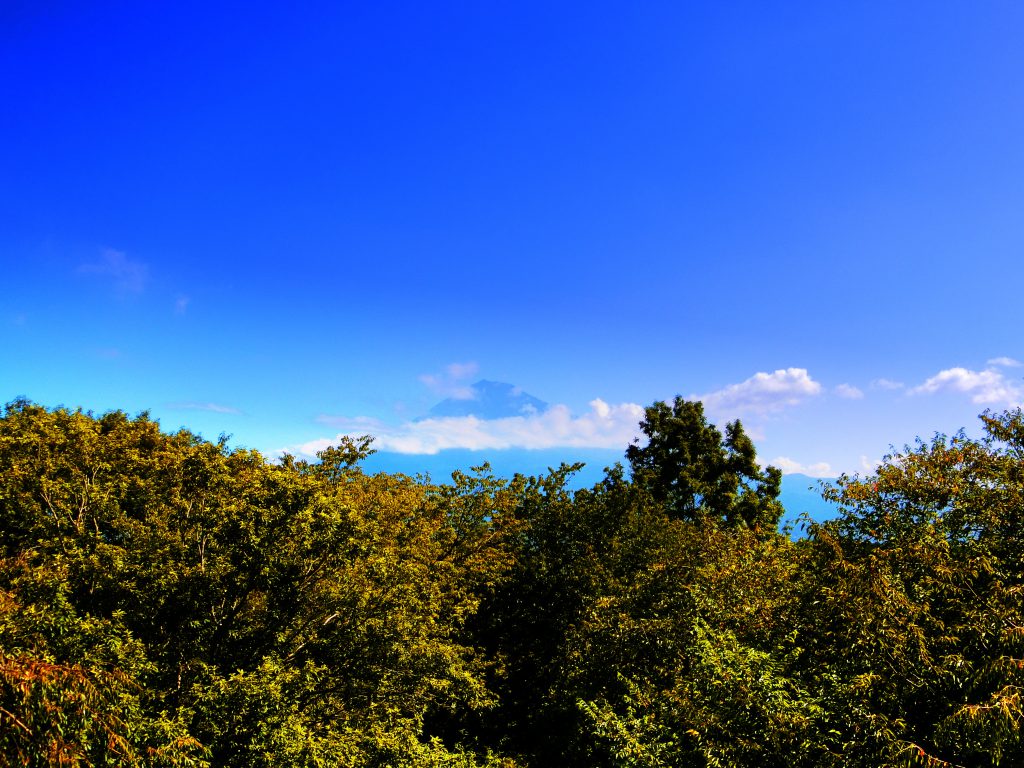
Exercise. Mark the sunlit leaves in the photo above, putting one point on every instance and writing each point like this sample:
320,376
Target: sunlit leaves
265,614
168,601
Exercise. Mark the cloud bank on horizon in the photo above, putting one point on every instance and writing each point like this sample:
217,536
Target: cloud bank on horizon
604,425
761,397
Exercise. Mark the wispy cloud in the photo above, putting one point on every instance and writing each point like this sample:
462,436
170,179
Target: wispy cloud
763,393
987,387
1004,362
790,467
849,392
181,305
602,426
211,407
127,276
887,384
452,381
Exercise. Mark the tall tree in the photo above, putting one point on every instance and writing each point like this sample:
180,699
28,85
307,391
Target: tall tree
697,473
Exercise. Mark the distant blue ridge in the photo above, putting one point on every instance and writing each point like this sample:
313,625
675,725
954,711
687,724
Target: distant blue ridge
504,463
799,492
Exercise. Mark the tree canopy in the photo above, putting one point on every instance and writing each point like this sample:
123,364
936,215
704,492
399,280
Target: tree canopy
170,601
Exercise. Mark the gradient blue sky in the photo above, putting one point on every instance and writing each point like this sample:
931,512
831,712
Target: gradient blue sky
285,223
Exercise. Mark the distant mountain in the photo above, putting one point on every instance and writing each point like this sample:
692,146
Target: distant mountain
800,494
490,400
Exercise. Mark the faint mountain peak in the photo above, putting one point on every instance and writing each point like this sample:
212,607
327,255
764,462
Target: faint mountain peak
489,400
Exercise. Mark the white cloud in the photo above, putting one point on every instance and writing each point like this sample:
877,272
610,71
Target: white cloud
309,449
763,393
790,467
211,407
1004,362
869,466
452,381
128,276
987,387
887,384
181,305
849,391
603,426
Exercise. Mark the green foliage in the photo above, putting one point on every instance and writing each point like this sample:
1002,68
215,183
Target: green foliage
276,614
912,604
70,691
687,658
167,601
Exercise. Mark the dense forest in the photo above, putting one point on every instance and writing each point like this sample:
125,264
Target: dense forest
170,601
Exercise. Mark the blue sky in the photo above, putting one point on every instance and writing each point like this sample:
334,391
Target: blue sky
284,223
